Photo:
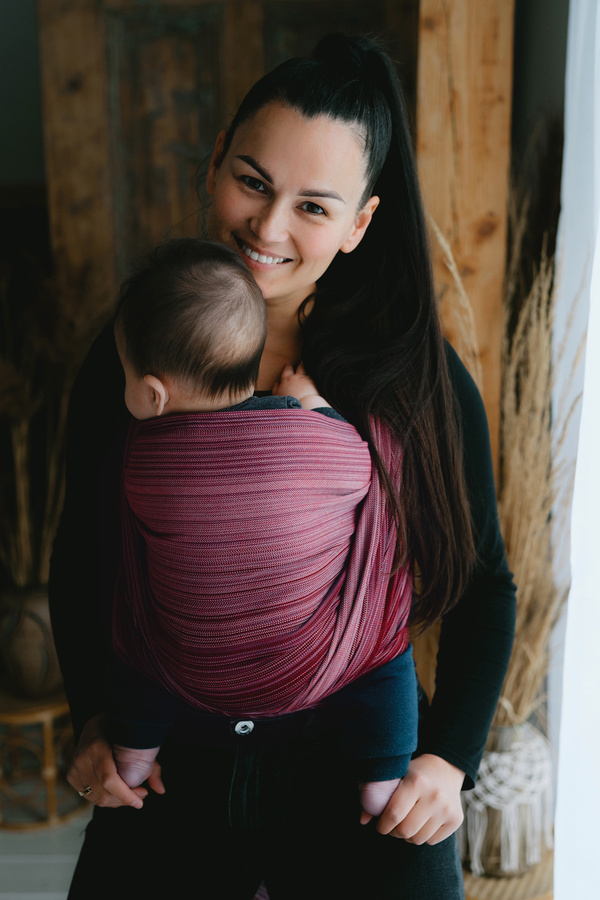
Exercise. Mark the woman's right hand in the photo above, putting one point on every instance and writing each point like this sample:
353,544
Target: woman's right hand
94,767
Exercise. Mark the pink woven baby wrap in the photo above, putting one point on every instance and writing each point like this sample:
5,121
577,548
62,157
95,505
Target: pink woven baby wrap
256,559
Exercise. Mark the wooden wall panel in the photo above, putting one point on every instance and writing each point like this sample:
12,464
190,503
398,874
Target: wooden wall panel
464,88
134,95
288,31
164,101
75,103
243,60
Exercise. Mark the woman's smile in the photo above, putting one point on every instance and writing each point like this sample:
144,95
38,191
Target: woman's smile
286,195
262,257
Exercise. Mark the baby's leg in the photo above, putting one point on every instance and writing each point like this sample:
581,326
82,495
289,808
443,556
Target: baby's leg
134,766
374,795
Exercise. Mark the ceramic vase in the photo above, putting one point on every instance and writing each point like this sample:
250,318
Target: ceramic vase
27,648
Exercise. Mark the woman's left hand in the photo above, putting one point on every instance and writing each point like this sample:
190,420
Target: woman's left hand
425,808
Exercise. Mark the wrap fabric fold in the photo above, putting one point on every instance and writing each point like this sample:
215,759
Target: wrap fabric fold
257,552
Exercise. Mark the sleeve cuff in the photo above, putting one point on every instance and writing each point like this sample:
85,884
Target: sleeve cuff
382,769
137,736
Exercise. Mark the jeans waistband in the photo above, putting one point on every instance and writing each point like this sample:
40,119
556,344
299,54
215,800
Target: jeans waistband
209,730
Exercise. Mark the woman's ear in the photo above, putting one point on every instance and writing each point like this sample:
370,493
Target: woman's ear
158,394
361,223
215,163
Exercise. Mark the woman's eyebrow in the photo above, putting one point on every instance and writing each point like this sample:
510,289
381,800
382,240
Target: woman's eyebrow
331,195
252,162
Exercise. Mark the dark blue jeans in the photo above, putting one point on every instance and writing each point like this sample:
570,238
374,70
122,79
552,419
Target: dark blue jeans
231,818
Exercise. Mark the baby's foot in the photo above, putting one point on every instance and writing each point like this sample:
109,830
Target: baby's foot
374,795
134,766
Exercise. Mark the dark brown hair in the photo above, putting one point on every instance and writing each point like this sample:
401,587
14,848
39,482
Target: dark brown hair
373,341
192,310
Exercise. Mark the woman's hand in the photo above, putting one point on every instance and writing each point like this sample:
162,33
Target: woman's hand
425,808
94,767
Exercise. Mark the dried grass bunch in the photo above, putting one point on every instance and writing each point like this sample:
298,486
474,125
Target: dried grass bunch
527,495
535,482
41,346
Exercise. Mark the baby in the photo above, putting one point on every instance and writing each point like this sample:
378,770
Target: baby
190,330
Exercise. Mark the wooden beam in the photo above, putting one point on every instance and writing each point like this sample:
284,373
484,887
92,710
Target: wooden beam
464,88
73,65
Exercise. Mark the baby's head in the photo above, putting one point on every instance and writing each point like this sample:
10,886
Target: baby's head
190,327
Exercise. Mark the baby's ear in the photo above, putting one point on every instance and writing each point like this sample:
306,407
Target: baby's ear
158,394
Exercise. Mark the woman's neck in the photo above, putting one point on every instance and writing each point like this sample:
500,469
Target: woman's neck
283,345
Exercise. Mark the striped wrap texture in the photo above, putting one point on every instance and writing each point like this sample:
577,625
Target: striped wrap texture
256,559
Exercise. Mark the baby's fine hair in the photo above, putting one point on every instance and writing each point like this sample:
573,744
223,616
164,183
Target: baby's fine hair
193,311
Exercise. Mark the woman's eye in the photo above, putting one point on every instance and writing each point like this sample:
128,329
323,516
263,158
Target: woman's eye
253,183
313,208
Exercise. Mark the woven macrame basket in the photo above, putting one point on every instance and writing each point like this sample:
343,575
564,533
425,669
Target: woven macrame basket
508,815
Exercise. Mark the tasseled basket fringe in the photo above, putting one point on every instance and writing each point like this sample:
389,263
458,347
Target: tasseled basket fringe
517,783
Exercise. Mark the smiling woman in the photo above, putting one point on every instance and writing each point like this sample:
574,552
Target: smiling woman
314,185
278,200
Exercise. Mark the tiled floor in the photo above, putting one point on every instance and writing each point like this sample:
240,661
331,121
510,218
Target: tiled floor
37,865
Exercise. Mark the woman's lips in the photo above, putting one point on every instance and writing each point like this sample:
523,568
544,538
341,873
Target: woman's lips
257,256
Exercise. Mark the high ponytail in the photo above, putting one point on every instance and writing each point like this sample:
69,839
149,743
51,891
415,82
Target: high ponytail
373,341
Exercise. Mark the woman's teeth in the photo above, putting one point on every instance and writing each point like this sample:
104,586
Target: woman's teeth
259,257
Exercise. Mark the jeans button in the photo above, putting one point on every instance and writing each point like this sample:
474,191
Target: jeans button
244,727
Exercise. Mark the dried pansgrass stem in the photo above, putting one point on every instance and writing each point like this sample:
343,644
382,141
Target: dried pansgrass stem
461,311
527,495
535,483
535,486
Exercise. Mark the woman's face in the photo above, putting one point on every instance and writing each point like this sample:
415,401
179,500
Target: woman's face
286,196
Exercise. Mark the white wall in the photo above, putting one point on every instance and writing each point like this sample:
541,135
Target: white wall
577,830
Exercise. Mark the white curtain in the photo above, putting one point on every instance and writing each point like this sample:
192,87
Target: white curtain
577,824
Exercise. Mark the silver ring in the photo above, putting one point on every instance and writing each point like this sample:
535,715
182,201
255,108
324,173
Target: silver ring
85,792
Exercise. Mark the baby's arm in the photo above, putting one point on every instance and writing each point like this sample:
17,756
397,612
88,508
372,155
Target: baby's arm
378,716
139,713
299,385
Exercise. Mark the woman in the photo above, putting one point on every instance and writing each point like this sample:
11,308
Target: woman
315,185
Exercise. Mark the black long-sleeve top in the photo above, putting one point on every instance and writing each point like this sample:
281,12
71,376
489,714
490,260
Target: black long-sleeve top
476,636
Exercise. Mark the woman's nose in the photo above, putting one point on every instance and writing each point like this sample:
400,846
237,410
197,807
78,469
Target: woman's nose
271,224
